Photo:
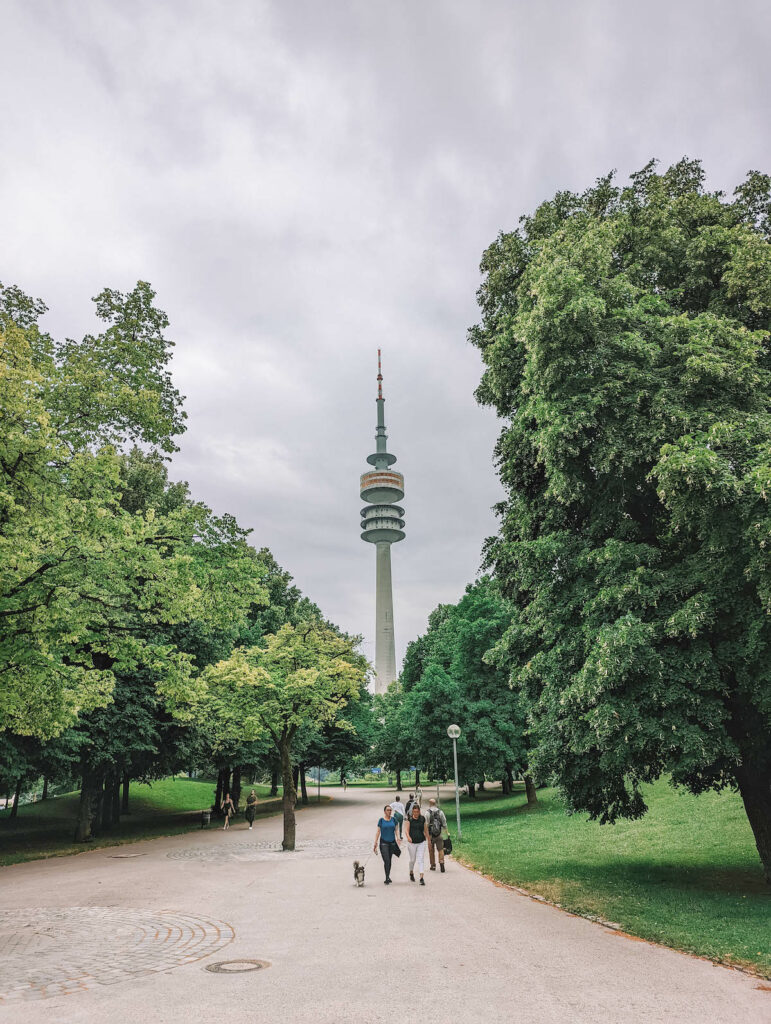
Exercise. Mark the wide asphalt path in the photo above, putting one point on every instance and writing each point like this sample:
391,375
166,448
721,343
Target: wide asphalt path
125,934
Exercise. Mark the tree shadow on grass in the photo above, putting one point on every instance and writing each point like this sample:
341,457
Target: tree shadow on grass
690,877
496,809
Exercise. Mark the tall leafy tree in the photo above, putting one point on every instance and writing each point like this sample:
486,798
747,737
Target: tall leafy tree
450,676
301,675
625,336
68,553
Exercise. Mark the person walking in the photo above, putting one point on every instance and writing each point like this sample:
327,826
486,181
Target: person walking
387,840
417,840
399,812
418,794
436,823
410,802
251,807
229,809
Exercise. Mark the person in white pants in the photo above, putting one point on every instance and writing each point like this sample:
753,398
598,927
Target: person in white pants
417,841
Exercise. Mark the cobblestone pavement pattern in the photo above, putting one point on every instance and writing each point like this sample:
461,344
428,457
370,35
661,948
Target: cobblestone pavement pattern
247,850
49,952
108,937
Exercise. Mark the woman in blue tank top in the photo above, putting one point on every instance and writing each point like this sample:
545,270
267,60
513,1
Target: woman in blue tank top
388,840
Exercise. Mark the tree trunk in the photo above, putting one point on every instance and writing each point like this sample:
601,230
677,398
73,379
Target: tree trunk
106,816
296,777
125,802
274,782
45,788
16,795
472,790
303,785
342,776
83,826
98,805
235,787
290,795
532,797
417,777
116,797
756,794
398,780
218,794
509,779
481,786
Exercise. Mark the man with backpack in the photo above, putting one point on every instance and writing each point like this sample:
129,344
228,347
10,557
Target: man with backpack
436,823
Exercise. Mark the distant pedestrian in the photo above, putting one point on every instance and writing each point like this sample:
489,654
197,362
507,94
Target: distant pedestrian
387,840
251,807
399,812
417,841
410,802
418,795
437,823
345,783
228,808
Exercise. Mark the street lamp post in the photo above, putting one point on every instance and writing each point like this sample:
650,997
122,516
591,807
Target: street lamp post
453,731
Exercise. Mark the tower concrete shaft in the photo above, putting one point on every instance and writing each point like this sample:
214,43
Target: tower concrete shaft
382,525
385,644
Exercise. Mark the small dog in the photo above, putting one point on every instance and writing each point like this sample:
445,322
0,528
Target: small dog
358,873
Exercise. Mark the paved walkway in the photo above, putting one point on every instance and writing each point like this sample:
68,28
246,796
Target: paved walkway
124,935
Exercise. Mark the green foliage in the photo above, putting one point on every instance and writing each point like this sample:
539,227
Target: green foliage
304,673
84,581
302,677
447,677
625,335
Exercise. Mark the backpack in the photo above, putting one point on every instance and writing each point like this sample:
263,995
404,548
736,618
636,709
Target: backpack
435,823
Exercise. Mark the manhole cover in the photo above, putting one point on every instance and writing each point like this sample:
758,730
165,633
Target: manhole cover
236,966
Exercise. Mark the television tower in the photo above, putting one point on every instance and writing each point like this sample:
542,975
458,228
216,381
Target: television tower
382,525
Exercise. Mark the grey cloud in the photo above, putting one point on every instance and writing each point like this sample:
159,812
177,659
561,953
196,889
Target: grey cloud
304,182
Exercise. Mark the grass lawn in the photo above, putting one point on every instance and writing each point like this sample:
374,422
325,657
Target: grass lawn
686,875
164,808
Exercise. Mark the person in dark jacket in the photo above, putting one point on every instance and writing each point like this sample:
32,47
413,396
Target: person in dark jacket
251,807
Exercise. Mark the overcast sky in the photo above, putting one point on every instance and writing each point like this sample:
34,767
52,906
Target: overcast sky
303,182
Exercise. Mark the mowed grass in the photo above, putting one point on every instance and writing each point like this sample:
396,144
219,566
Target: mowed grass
686,875
163,808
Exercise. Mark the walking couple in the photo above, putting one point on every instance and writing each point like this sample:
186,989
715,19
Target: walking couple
422,833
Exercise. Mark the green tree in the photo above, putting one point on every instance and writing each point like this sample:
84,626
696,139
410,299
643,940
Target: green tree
138,733
450,676
392,743
302,675
67,552
342,741
625,335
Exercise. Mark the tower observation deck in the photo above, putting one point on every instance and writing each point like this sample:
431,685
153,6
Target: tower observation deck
382,524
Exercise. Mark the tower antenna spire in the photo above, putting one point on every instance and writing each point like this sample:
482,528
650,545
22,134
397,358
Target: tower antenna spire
379,378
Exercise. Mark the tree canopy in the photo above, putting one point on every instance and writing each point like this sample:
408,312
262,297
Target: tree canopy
302,675
625,337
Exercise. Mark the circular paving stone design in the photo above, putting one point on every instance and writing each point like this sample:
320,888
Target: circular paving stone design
249,850
57,951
